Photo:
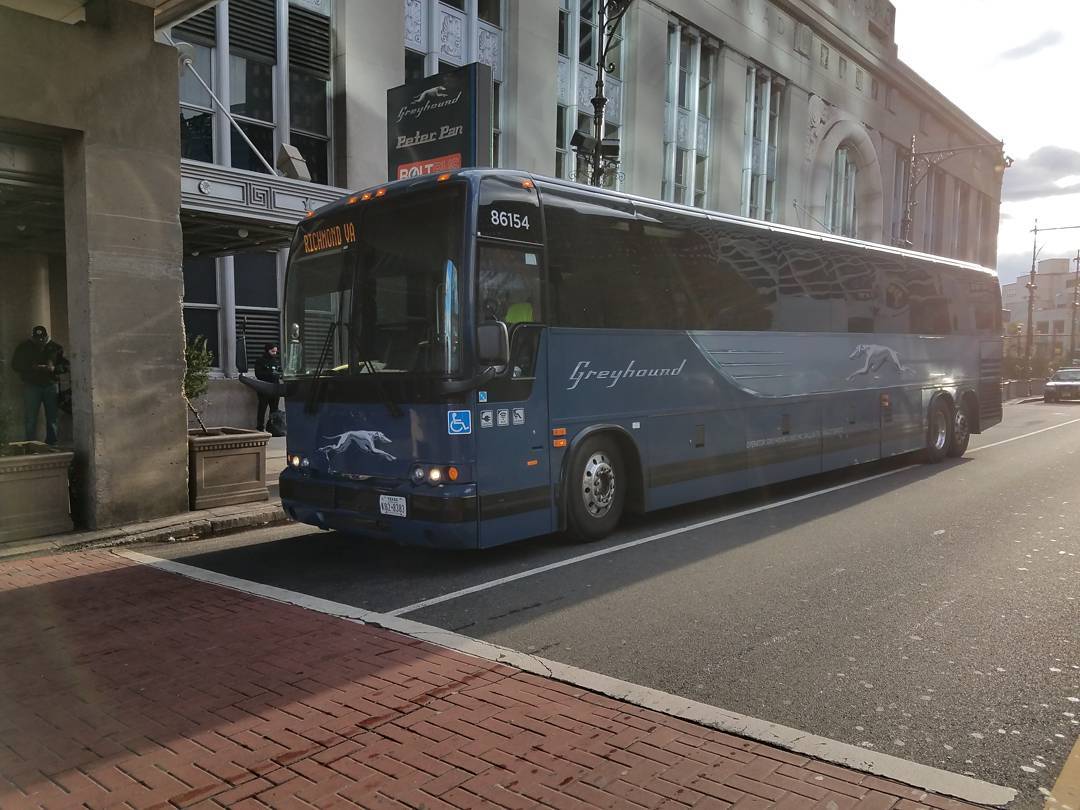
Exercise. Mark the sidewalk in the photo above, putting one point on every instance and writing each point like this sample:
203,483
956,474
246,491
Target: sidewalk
124,685
183,526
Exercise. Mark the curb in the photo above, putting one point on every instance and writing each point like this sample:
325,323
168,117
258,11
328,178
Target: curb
178,529
925,778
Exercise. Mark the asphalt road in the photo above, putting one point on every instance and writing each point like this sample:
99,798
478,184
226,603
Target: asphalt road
930,612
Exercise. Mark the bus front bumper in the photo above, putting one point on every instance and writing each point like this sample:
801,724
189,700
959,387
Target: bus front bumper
437,517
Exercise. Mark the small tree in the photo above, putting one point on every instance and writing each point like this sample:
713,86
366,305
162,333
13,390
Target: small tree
198,361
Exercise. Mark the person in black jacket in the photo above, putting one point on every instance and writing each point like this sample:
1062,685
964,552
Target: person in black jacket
38,362
267,369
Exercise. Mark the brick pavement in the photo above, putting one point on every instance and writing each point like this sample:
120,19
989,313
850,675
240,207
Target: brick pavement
125,686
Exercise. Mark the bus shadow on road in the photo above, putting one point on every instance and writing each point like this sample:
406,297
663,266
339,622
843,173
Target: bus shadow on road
378,575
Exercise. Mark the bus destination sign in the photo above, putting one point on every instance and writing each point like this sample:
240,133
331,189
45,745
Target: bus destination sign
328,238
439,123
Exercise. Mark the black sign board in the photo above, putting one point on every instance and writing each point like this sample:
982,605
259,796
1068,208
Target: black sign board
439,123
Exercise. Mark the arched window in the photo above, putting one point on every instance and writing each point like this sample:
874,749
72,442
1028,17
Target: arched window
841,216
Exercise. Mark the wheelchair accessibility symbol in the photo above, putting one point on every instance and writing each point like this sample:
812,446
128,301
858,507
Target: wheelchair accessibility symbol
459,423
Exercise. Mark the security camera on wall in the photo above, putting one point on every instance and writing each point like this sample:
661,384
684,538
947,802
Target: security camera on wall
292,164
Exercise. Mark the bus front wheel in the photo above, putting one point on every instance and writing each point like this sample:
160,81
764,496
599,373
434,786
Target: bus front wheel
596,489
939,430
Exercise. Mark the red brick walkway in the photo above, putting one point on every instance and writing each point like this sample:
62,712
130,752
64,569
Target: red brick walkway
124,686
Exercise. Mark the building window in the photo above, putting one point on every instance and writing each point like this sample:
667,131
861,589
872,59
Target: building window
761,128
309,89
562,151
251,101
196,108
901,175
578,50
201,310
255,278
448,34
841,216
691,62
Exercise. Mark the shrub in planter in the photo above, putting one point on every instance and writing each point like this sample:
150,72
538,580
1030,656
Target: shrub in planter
225,465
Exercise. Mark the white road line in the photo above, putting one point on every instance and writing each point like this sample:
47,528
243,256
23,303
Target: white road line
922,777
1024,436
495,583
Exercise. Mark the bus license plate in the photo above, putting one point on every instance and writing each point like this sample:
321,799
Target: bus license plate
393,505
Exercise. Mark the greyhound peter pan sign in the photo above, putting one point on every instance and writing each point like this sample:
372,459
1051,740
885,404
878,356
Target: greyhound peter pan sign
439,123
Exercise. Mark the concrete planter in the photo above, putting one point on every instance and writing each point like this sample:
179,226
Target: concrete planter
226,466
34,491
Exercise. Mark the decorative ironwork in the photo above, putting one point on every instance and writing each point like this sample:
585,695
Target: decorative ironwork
603,158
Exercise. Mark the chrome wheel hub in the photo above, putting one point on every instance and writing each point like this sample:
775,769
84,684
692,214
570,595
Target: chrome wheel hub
598,485
960,427
939,430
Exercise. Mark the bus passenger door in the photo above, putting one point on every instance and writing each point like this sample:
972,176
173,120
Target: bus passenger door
512,444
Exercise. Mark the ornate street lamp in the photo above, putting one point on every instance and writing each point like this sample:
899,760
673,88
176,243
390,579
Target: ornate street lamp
919,168
602,153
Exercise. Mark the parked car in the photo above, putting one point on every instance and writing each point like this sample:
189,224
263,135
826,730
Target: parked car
1065,384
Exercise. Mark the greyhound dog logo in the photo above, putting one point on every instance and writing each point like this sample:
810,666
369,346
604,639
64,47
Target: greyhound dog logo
875,358
432,93
367,440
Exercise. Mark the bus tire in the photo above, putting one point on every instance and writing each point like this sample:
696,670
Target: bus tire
963,419
939,430
596,487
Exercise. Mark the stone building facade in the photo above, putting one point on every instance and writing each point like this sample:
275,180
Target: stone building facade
134,216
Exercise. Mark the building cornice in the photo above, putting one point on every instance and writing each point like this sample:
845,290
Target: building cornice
211,189
894,70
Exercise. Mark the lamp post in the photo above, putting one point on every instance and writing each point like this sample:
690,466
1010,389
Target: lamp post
601,153
919,167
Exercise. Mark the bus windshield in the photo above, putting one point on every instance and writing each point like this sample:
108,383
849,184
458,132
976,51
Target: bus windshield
378,290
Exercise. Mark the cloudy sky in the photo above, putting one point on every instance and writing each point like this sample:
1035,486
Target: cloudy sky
1014,66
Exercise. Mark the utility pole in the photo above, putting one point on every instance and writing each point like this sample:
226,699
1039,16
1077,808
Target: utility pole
1031,287
1075,306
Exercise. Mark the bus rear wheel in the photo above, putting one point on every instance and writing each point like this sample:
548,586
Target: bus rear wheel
961,432
596,489
939,431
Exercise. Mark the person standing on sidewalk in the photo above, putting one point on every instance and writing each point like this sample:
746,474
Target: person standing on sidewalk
39,362
267,369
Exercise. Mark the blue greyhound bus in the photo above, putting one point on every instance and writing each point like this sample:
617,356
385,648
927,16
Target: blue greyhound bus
482,356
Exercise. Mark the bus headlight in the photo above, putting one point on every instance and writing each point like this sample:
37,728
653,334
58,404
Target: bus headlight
434,475
294,461
417,475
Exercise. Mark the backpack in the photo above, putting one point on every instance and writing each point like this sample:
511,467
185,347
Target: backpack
275,423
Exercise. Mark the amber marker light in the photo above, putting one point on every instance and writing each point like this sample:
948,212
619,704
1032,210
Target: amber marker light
443,177
559,443
309,215
365,196
353,200
527,184
381,192
558,431
452,473
532,462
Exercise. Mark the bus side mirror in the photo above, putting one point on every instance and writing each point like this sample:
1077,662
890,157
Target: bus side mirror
493,343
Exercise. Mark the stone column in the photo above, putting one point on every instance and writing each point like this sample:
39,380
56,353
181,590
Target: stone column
529,85
369,59
728,136
643,99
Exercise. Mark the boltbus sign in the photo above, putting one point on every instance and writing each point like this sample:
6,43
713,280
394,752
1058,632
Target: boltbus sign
440,123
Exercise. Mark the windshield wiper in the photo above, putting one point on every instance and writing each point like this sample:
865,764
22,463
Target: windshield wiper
313,396
388,401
